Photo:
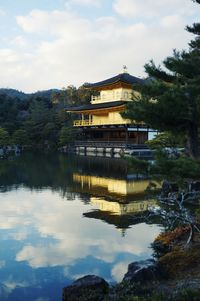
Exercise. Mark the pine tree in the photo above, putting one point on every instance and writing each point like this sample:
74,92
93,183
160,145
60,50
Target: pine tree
170,99
4,137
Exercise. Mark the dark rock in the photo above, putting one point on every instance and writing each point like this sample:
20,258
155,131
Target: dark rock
143,271
90,288
175,289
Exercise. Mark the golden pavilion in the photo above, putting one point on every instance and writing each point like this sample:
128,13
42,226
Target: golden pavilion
101,120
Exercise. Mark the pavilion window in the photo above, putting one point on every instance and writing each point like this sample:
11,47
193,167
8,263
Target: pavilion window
126,95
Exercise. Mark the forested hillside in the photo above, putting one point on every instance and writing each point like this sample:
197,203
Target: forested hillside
39,118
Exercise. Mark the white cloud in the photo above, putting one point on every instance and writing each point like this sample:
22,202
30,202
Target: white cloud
20,235
87,2
119,270
2,12
147,8
127,8
2,264
50,217
59,48
172,21
9,56
20,41
65,24
12,285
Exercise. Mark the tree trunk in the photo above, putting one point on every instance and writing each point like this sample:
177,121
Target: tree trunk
191,236
192,141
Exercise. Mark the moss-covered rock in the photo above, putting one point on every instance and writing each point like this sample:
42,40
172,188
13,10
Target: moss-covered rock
87,288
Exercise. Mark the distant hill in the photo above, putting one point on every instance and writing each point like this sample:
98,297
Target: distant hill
14,93
23,96
45,93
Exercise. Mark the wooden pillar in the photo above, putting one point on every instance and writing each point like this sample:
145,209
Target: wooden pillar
137,137
90,119
127,136
82,119
108,135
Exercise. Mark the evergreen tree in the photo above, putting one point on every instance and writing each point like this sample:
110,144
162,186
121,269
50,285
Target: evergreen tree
4,137
8,113
166,139
67,135
170,99
20,137
39,116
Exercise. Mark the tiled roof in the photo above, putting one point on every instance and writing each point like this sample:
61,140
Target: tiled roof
96,106
123,77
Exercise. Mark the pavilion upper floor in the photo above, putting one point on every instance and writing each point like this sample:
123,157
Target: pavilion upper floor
106,107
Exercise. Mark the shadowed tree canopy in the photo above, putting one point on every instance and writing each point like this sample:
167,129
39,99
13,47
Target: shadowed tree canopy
38,119
4,137
170,99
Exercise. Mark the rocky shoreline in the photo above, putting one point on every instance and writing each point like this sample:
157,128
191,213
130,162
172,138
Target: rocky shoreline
143,285
173,276
7,151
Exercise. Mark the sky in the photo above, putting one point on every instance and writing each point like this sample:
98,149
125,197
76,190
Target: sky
48,44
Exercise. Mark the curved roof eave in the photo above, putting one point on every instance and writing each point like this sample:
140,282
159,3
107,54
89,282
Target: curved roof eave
123,77
90,107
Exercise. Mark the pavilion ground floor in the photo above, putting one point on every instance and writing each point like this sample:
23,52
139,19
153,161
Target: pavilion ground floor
125,134
112,141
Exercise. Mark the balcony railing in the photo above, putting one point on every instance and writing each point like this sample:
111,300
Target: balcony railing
112,97
83,123
96,123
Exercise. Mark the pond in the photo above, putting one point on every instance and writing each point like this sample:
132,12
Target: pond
63,217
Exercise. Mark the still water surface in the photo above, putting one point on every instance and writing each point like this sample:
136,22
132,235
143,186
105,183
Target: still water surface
63,217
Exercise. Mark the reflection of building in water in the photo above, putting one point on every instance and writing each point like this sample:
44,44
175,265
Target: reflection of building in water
119,202
109,186
122,209
121,215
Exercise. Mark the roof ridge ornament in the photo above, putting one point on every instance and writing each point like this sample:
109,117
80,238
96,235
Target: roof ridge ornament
125,69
